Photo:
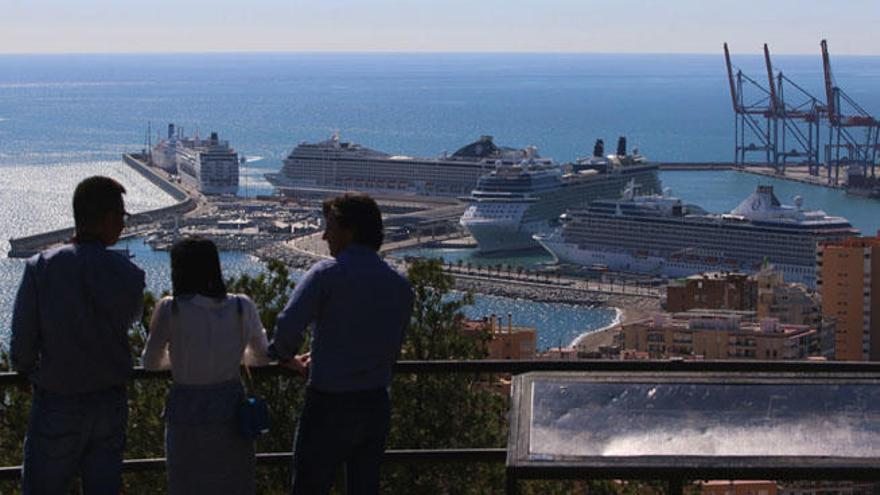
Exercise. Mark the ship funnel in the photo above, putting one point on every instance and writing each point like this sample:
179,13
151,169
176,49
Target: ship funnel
214,138
599,148
170,131
621,146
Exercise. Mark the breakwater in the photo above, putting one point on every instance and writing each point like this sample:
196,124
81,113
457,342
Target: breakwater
138,164
698,165
23,247
794,173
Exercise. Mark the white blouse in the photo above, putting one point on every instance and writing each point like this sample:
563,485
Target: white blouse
205,340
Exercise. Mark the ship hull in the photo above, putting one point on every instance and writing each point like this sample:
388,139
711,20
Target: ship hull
658,266
204,188
496,237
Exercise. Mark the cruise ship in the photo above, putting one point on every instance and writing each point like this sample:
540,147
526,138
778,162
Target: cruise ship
515,201
337,165
211,165
662,236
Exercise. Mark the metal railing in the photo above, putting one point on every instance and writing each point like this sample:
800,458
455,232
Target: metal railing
581,365
498,455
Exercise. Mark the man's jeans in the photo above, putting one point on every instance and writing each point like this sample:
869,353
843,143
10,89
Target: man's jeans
334,429
70,434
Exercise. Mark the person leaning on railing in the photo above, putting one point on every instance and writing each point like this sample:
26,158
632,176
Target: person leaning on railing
70,337
359,307
203,335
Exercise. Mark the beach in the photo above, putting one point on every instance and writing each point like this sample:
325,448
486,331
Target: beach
630,309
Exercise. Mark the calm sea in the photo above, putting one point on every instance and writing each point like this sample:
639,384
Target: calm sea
66,117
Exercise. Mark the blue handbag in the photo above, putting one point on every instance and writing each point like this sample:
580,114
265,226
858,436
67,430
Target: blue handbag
253,417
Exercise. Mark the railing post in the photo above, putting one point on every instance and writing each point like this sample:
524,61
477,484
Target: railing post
674,487
511,487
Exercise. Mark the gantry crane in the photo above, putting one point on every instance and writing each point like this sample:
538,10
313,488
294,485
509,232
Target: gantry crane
753,115
852,132
794,122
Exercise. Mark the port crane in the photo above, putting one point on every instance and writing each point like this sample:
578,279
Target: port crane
794,121
853,132
752,106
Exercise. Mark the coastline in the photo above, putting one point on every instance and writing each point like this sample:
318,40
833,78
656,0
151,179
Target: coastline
627,312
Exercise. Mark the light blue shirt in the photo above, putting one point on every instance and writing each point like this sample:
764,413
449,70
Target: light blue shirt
360,308
72,314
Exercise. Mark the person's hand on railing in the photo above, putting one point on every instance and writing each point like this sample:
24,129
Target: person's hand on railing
299,363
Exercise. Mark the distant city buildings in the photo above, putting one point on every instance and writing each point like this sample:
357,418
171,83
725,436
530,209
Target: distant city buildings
506,342
794,304
723,315
716,290
789,303
717,334
737,487
828,488
748,487
848,279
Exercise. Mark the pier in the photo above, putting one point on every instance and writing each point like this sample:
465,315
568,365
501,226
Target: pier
698,165
795,173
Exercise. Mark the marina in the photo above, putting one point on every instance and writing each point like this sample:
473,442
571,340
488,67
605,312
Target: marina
691,162
281,227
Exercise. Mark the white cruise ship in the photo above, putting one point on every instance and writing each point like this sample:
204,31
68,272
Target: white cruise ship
515,201
210,166
662,236
338,166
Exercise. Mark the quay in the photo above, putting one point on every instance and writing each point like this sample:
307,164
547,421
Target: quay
795,173
696,166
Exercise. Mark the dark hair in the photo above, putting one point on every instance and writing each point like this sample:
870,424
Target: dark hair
195,269
360,214
93,198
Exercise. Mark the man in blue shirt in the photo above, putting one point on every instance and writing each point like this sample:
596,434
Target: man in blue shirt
360,308
70,327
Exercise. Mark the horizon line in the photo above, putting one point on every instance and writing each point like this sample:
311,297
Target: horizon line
413,52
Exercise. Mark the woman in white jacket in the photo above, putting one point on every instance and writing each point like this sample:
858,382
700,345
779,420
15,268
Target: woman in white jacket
204,335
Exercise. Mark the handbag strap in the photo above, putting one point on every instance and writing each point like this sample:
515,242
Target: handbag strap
249,380
174,310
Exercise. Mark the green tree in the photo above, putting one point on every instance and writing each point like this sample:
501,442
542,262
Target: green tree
444,410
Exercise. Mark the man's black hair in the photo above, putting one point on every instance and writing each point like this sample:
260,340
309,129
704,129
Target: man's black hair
93,198
195,269
360,214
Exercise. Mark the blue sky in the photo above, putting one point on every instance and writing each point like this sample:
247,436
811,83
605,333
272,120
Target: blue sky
607,26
